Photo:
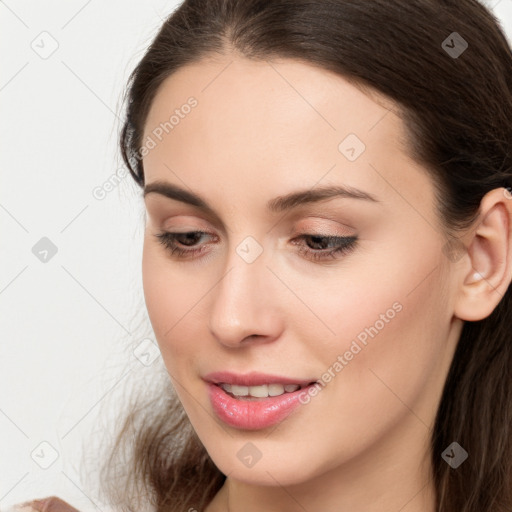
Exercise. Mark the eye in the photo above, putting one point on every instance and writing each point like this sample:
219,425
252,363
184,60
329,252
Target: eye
330,246
168,240
338,245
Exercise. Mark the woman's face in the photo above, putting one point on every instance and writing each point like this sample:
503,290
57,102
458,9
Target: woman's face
258,292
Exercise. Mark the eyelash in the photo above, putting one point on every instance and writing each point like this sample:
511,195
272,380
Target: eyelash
345,245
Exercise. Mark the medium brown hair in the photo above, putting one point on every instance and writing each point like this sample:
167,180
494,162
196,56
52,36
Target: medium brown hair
457,110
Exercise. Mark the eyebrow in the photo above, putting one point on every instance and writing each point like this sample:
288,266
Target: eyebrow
275,205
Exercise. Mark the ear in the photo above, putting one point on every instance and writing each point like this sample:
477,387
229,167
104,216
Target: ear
487,271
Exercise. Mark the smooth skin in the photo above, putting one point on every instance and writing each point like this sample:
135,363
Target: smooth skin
265,129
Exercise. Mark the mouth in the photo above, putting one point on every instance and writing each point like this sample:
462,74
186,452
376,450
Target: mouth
256,406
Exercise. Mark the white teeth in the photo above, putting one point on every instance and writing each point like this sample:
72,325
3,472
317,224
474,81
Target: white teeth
275,389
239,390
263,391
226,387
259,391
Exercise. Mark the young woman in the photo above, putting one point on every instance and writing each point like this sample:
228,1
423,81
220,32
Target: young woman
327,259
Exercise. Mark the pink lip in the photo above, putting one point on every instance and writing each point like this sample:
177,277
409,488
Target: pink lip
252,414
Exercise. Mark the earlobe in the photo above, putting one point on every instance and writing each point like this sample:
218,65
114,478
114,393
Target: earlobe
488,273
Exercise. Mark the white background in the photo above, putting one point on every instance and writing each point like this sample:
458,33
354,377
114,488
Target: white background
69,326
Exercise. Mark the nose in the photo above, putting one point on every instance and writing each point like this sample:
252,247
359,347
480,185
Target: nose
245,304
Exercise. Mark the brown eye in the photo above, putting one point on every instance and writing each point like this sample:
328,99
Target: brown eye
330,246
188,239
317,247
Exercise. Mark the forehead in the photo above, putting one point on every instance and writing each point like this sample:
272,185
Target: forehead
281,90
277,121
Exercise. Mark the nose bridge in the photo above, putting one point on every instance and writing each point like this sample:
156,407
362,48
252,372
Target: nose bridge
243,304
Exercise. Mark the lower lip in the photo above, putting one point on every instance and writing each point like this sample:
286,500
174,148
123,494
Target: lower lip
253,414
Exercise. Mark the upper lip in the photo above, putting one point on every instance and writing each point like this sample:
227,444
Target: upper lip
253,379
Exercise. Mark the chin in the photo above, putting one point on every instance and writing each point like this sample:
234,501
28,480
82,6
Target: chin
271,470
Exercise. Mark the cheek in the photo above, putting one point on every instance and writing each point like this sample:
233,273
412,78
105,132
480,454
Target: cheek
389,333
169,299
177,300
